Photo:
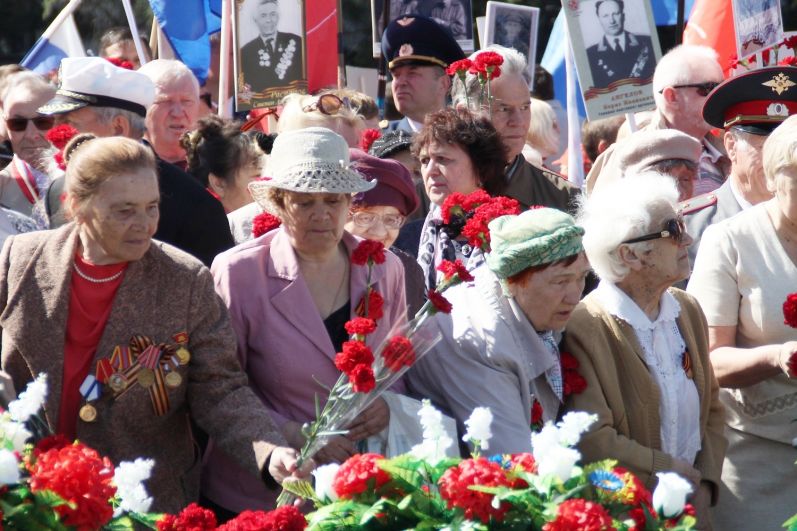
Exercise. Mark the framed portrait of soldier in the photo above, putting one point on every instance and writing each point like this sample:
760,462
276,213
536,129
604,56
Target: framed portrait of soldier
455,15
615,49
759,25
514,26
270,58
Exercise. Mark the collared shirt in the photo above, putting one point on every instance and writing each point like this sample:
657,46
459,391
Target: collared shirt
737,194
710,175
663,347
415,126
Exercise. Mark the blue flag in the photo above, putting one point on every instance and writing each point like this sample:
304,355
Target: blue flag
46,54
187,25
665,12
553,60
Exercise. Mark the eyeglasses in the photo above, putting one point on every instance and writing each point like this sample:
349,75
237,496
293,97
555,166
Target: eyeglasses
367,219
328,104
674,228
702,88
42,123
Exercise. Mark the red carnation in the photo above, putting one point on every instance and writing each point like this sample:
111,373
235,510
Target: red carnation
790,42
536,414
121,63
453,205
360,325
572,380
577,514
790,310
51,442
367,138
192,518
489,63
523,462
79,475
368,250
455,483
263,223
439,302
362,378
788,61
460,67
398,353
354,353
449,269
287,518
375,306
476,228
360,473
60,135
474,199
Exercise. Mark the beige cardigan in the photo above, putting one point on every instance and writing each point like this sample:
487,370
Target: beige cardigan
621,391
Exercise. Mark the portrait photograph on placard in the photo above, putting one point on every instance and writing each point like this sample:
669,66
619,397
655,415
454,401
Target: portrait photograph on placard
455,15
615,48
514,26
758,24
269,37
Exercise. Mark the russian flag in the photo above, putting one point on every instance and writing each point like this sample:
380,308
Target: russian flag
46,54
187,26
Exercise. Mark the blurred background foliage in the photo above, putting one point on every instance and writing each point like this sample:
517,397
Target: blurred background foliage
22,21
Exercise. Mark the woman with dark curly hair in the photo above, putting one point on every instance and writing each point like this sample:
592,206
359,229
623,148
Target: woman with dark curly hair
459,152
223,159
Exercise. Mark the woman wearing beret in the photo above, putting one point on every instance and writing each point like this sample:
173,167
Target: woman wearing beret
745,269
499,346
130,332
642,345
289,294
459,152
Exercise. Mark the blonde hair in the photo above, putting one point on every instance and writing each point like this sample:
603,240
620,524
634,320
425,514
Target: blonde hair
780,151
542,134
92,161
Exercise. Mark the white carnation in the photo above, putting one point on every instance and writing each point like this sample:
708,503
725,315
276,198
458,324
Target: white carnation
431,420
129,479
30,401
324,475
544,440
436,442
669,497
9,468
479,427
558,461
14,432
573,425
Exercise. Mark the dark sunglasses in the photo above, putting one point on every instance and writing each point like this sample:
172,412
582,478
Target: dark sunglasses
674,228
42,123
702,88
328,104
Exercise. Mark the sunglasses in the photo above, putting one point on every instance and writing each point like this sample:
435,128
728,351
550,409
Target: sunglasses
328,104
366,219
42,123
674,228
702,88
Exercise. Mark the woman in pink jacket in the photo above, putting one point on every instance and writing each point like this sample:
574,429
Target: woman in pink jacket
289,293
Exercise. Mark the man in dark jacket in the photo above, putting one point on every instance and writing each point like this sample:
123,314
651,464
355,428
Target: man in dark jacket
99,98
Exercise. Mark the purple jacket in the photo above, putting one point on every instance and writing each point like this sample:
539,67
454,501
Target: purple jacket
283,344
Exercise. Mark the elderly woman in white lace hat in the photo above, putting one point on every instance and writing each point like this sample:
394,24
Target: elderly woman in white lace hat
500,341
642,345
291,291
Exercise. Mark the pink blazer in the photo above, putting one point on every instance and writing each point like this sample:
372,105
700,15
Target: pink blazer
282,343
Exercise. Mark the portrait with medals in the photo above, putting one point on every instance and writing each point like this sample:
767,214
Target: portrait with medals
270,63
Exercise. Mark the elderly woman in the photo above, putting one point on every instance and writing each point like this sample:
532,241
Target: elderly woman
397,145
89,299
499,346
745,268
642,345
379,213
458,152
290,292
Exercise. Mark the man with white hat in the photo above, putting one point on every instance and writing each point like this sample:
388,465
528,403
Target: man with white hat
98,97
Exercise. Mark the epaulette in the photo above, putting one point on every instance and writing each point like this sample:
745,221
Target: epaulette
697,203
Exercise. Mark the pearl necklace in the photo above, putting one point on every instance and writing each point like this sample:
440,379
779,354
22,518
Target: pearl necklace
98,280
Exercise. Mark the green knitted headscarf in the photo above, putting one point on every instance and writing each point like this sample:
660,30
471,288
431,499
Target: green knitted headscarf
535,237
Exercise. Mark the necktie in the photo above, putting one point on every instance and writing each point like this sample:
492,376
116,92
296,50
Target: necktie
270,46
554,374
617,46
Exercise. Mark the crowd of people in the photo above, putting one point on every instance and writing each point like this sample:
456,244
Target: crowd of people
138,227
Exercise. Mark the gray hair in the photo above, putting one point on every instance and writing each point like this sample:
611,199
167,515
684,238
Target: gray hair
293,115
164,71
780,152
514,63
136,121
607,225
681,64
30,81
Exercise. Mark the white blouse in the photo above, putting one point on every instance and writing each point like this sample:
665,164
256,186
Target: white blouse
664,347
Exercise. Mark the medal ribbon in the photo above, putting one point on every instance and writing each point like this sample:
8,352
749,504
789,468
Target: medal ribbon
158,394
24,178
90,389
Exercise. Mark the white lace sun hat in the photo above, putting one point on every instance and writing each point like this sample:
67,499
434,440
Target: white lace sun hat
311,160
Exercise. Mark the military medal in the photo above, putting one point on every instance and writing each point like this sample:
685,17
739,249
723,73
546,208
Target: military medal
90,389
145,377
88,413
173,379
117,382
183,355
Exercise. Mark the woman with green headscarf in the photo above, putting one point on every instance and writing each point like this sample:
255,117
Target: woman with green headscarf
500,341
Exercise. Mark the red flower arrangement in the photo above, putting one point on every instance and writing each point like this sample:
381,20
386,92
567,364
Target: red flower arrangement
192,518
361,326
577,514
439,303
362,378
263,223
287,518
83,478
376,306
487,64
368,251
367,138
455,483
523,462
398,353
459,68
451,269
790,310
360,473
51,442
573,382
478,210
354,353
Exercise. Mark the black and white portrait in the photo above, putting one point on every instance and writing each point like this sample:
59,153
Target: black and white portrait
271,48
619,50
513,26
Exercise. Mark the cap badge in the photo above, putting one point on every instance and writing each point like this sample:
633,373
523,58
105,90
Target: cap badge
777,109
406,49
780,83
406,21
